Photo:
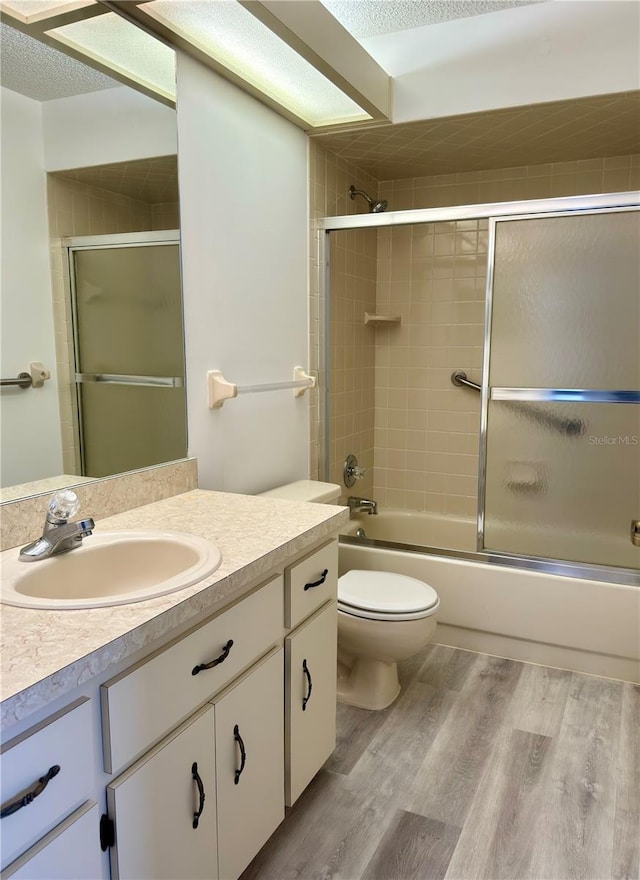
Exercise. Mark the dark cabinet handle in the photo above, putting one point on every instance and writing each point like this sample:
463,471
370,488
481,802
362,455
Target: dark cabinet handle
220,659
198,781
318,583
243,754
306,699
32,794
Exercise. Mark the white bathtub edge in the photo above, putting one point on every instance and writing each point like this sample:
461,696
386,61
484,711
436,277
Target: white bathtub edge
540,653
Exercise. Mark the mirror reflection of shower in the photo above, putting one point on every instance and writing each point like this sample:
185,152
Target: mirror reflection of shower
374,207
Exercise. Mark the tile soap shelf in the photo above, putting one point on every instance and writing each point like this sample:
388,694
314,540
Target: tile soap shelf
381,320
219,389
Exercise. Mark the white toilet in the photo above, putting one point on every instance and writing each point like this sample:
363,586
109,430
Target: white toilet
382,618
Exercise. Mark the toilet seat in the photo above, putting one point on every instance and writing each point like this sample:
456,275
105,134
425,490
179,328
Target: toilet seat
383,595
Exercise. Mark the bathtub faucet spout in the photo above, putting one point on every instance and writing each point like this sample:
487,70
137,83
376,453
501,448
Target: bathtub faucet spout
362,505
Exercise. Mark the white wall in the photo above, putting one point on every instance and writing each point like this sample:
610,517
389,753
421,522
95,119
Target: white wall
243,194
525,55
113,125
31,445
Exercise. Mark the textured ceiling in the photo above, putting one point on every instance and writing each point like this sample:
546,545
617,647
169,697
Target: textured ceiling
370,18
40,72
588,128
149,180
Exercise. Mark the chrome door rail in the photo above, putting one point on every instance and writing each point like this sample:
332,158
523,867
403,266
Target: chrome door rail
505,210
118,379
568,395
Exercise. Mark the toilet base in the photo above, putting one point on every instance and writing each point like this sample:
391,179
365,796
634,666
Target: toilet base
368,683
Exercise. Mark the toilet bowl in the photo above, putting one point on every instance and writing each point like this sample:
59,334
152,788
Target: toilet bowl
382,618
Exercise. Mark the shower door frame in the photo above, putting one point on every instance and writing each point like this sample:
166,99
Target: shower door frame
494,212
113,241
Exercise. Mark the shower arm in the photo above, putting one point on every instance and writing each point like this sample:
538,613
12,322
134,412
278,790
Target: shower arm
374,207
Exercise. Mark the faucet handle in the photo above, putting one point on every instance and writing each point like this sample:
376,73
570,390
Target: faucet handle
62,506
352,471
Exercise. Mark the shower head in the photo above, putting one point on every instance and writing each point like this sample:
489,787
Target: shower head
374,207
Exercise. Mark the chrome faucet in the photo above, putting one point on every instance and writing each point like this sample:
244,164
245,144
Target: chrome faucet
362,505
58,535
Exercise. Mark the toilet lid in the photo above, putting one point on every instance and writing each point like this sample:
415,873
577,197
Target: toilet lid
385,592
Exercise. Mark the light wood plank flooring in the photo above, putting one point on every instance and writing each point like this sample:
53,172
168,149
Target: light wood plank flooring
483,769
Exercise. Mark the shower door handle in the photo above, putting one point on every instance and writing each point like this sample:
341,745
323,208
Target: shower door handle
635,532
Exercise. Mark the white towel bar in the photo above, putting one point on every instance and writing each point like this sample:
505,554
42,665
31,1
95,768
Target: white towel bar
219,390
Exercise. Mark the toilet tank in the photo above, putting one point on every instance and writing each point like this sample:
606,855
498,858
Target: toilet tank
306,490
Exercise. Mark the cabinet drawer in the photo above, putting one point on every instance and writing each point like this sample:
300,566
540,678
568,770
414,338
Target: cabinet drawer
307,587
310,702
70,852
66,741
144,703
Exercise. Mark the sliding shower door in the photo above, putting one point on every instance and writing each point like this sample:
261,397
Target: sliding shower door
562,377
129,351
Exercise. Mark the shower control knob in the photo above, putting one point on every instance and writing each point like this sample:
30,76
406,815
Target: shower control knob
352,471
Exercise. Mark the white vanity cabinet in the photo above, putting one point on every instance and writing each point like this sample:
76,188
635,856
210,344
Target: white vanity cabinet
203,801
45,774
204,741
310,662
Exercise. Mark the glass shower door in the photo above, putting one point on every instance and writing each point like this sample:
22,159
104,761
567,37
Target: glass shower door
129,356
562,429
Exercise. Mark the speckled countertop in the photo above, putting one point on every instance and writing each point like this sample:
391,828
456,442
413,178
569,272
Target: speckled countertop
45,654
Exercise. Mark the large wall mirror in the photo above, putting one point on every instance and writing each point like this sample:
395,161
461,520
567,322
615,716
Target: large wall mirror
90,275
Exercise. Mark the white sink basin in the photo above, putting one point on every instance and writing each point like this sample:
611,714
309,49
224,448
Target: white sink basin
110,568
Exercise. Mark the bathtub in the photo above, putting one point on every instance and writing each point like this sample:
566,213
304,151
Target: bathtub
584,625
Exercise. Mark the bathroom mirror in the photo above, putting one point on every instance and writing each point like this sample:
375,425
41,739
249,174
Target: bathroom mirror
90,275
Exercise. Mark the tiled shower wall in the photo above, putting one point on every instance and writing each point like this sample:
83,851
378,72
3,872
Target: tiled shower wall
76,208
612,174
426,430
353,286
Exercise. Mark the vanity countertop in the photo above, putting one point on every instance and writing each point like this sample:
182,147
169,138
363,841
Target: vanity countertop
45,654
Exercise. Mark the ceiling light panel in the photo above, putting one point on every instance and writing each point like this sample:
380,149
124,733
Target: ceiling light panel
233,37
29,11
125,48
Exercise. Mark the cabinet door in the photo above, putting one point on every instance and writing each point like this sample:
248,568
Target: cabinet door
70,852
250,764
153,806
310,720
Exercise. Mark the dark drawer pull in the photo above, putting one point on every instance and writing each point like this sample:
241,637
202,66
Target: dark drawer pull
243,754
32,794
306,699
318,583
198,781
220,659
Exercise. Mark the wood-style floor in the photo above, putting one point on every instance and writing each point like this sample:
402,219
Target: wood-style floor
482,768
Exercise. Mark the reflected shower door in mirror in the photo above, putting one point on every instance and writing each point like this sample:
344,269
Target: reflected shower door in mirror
129,351
82,155
562,476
